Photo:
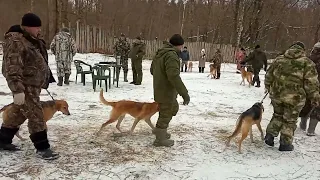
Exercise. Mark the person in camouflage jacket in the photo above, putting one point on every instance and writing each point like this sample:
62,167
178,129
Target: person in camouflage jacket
315,114
291,79
217,60
122,48
25,67
167,83
64,48
136,54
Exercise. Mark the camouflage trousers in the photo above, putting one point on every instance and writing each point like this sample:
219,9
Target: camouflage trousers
124,62
31,110
166,112
63,68
284,121
136,65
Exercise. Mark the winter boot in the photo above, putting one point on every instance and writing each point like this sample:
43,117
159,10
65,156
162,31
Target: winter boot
161,138
218,75
312,126
6,136
41,143
168,135
60,80
269,140
286,147
125,76
303,123
258,84
66,79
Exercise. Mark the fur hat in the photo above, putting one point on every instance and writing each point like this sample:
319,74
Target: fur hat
257,46
176,40
65,29
31,20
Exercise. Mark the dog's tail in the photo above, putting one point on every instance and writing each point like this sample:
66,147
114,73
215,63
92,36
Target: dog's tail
238,127
104,101
5,107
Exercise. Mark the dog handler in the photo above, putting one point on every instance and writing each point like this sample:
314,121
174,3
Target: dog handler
167,83
25,67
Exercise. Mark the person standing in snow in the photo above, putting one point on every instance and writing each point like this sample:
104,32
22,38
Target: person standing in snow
122,48
291,79
64,48
136,54
217,60
240,56
185,57
202,61
167,83
257,59
315,114
25,67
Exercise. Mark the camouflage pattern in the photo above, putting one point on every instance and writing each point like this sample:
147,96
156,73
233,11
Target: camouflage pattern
136,54
122,48
166,112
217,59
31,110
290,80
25,62
64,48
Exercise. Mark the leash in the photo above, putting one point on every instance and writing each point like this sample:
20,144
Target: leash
50,94
264,97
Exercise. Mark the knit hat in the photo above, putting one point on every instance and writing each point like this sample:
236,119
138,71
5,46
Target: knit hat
65,29
138,37
31,20
176,40
299,43
317,45
257,46
122,35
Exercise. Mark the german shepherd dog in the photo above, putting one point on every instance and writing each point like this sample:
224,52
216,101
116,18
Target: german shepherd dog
246,75
213,71
244,124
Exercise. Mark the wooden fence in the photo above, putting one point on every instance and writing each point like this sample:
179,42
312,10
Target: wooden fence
93,39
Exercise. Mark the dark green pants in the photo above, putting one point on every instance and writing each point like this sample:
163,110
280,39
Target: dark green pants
166,112
136,65
284,120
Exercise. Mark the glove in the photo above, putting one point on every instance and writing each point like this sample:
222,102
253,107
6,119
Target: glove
242,63
19,98
186,99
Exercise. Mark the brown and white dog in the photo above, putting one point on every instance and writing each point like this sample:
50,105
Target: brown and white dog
49,108
138,110
245,75
213,71
244,124
190,66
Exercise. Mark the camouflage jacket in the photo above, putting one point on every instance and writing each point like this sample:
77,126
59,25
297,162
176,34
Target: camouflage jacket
138,50
165,69
122,48
217,59
25,62
63,47
292,78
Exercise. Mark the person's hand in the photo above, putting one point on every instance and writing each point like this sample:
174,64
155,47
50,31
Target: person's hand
19,98
186,99
242,63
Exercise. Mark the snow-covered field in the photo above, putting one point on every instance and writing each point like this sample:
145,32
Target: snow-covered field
199,131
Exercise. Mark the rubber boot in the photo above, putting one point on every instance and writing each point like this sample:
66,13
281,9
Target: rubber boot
6,136
66,79
125,76
269,140
312,126
161,138
168,136
303,123
218,75
41,143
60,81
286,147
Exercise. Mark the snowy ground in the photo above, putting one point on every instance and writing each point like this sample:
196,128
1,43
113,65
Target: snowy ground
199,131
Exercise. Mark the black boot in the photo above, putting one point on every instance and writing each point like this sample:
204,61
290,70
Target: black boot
41,143
66,79
6,136
218,75
199,69
60,81
125,76
286,147
258,84
269,140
